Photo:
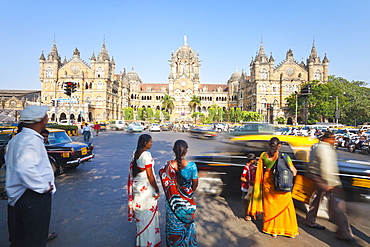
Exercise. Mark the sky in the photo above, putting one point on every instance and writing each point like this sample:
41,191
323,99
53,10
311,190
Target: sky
143,34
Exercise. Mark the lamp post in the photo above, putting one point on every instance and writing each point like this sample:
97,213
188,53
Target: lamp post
296,108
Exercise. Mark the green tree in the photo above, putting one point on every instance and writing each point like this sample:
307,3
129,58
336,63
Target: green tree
157,114
353,101
167,103
251,116
149,113
128,113
141,113
212,112
197,116
280,120
166,115
194,102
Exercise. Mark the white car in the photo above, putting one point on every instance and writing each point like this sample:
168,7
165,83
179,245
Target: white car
154,127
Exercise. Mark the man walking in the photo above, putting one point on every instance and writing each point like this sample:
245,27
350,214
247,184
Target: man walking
323,169
30,180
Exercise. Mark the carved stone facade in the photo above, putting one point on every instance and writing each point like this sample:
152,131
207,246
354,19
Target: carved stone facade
101,94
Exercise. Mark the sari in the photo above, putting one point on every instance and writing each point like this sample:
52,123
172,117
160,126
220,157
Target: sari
180,206
279,216
142,206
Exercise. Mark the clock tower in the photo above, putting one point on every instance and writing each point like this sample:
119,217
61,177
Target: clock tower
183,78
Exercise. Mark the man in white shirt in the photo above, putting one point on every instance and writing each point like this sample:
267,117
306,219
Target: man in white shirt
30,179
323,169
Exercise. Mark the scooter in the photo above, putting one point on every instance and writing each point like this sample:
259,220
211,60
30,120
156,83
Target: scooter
355,143
365,149
341,142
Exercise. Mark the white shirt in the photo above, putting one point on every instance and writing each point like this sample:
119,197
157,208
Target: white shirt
328,164
86,128
27,165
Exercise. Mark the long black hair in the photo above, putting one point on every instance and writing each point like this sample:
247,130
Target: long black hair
274,145
179,148
141,143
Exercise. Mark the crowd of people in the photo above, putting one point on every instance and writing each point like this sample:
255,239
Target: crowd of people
30,185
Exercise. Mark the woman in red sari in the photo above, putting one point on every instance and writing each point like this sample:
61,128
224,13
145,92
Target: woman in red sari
279,216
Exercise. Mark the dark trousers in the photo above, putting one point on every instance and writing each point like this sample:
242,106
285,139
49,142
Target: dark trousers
337,208
11,222
32,218
87,135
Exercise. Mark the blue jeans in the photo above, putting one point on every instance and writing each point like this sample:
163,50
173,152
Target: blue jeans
87,135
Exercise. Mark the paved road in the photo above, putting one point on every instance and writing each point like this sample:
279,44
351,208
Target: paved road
89,208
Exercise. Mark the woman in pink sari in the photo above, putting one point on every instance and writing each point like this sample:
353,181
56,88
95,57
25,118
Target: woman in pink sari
143,194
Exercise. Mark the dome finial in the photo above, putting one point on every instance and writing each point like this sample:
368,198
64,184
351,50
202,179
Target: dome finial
185,40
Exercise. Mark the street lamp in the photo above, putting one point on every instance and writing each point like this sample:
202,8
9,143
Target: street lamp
296,108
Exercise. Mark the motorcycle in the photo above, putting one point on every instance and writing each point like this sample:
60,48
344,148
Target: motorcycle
365,149
356,143
341,142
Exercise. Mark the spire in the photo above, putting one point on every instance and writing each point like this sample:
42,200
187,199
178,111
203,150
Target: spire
93,57
42,57
313,55
289,54
261,56
271,59
325,60
103,55
76,52
113,60
53,55
65,60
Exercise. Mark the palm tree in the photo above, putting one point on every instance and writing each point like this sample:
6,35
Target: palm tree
167,103
194,102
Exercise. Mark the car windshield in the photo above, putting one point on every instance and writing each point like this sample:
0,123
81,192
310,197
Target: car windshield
59,137
265,128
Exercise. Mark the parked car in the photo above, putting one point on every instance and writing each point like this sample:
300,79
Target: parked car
118,125
65,153
134,127
62,151
223,168
154,127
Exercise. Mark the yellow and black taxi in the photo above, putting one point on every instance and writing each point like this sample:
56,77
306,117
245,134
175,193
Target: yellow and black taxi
62,151
65,153
225,166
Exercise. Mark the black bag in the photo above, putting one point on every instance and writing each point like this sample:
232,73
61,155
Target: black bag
282,175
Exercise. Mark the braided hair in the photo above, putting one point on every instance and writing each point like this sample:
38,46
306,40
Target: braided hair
179,148
273,144
141,143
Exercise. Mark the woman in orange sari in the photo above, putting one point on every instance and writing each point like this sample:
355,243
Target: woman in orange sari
279,216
